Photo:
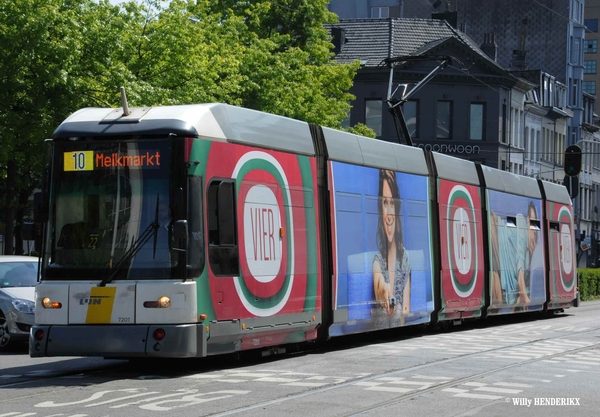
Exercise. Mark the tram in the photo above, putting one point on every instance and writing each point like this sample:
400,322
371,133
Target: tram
196,230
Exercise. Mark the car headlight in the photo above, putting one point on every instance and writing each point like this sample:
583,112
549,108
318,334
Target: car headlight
24,306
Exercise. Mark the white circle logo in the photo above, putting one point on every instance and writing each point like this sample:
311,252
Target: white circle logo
566,254
462,241
262,222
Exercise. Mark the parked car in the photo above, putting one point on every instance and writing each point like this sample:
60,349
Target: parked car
18,276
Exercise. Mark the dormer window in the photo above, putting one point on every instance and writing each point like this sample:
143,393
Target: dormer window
380,12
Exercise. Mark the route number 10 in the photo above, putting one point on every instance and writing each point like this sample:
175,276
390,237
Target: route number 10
79,161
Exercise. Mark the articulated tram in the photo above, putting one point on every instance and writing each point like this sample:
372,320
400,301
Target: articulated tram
195,230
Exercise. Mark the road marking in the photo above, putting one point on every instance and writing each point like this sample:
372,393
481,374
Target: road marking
277,379
114,400
513,384
575,362
525,378
423,384
93,397
232,381
389,389
147,400
190,400
306,384
499,390
367,384
455,390
478,396
252,374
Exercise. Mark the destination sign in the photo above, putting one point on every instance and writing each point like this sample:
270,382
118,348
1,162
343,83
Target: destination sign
88,160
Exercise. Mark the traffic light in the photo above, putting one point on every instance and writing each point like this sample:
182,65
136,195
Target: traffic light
573,160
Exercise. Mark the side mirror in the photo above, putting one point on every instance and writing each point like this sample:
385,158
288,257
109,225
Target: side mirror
180,234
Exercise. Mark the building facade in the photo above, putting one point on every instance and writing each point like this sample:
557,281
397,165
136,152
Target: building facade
473,108
535,126
545,34
591,75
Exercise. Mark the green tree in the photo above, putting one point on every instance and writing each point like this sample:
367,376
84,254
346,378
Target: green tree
61,55
48,70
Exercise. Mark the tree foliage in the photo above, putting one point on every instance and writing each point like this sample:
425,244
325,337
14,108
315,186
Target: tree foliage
61,55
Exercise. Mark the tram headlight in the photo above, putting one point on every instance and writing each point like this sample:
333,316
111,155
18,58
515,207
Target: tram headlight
48,303
162,302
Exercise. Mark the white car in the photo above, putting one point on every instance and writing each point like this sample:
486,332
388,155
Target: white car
18,277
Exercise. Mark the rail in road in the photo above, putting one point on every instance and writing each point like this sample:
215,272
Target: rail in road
470,358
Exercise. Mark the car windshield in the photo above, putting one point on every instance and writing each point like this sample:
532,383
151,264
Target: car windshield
18,274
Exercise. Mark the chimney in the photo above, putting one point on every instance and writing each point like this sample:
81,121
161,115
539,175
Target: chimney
489,46
338,39
448,16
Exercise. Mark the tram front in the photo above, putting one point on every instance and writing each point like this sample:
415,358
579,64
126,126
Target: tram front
114,277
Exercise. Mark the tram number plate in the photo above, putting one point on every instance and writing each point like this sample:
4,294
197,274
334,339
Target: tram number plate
124,319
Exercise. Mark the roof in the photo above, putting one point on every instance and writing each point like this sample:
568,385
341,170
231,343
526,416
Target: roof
216,121
374,40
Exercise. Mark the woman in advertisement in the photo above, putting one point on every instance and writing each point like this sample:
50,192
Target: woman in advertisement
391,266
512,251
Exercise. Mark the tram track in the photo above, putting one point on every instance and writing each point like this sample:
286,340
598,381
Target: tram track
425,366
120,371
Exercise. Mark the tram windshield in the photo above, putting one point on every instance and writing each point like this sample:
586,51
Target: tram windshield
109,214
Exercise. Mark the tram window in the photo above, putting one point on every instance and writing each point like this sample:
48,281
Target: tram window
195,223
222,228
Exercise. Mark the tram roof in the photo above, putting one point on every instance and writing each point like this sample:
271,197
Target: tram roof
556,192
215,121
509,182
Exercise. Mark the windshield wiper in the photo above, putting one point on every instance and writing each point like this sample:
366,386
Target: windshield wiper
151,230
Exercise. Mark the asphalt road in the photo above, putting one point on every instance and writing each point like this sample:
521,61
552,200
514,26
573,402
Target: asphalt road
525,366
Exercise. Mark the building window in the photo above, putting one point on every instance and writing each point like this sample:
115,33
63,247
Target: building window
591,25
373,115
504,124
589,87
411,110
380,12
223,253
589,67
591,46
477,116
444,120
574,98
576,51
